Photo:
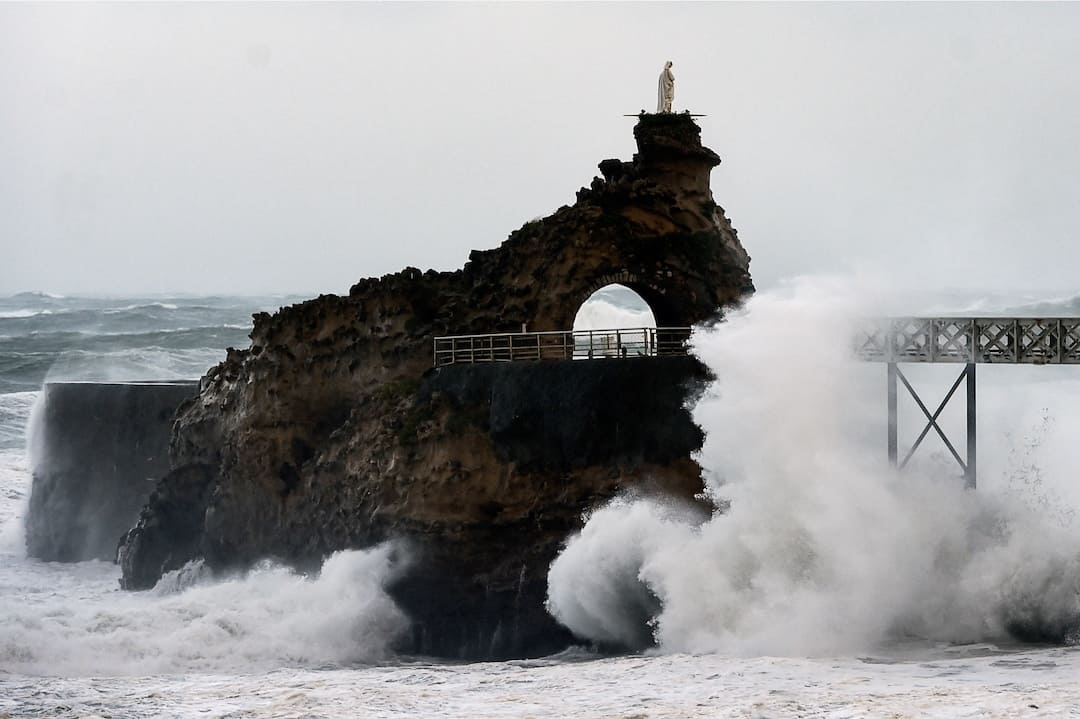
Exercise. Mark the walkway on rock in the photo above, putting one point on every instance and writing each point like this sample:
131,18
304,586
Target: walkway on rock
562,345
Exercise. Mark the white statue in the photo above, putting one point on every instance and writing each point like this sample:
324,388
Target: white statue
666,91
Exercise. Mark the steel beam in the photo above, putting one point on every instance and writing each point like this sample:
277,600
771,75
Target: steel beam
967,377
972,441
892,413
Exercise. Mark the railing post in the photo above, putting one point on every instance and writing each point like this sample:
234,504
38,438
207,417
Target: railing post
1058,344
973,342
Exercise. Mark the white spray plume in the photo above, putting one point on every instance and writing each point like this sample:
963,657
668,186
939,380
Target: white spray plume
823,548
264,619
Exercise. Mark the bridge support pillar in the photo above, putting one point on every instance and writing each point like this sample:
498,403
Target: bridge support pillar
968,464
972,445
892,414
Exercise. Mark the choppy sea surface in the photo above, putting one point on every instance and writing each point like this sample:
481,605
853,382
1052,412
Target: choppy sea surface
831,588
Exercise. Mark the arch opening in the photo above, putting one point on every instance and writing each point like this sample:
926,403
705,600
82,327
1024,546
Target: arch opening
614,321
614,306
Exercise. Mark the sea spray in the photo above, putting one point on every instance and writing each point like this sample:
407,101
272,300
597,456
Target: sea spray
822,548
21,425
599,593
265,618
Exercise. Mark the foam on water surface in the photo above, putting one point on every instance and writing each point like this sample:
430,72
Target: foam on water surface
73,620
1036,684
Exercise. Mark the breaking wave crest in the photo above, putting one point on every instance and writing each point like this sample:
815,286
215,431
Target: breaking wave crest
266,618
820,548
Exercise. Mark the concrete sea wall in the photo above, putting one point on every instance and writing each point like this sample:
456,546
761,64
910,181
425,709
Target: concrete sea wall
97,450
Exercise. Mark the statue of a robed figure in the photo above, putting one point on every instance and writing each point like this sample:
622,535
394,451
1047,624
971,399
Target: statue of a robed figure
665,93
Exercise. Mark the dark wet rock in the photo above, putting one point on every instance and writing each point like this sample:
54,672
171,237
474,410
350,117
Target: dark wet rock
170,527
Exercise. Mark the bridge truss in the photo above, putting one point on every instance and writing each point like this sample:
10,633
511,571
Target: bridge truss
967,340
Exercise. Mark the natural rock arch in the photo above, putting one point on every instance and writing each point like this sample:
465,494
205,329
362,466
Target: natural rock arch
624,300
663,313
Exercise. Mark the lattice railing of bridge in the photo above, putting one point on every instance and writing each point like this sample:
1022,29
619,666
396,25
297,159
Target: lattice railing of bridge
562,345
967,340
1021,340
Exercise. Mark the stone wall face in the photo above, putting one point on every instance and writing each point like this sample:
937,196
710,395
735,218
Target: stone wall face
101,448
332,431
531,446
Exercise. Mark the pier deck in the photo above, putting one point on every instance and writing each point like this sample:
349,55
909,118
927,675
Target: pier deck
991,340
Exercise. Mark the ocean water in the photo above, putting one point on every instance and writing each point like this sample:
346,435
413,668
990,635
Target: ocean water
831,587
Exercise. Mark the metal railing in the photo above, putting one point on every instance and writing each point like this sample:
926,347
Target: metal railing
562,345
1019,340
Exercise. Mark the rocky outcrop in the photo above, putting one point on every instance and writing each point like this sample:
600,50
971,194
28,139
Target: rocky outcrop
99,447
332,431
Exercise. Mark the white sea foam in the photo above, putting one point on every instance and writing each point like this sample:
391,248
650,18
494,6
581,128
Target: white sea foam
601,315
982,683
14,494
142,306
15,411
823,549
22,314
72,620
613,307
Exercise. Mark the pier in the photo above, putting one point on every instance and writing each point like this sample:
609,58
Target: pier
960,340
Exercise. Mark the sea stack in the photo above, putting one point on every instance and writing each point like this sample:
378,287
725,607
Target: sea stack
334,431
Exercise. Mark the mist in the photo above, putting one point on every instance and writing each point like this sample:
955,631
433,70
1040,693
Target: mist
250,148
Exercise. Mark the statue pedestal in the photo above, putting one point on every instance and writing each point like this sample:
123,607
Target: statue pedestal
670,149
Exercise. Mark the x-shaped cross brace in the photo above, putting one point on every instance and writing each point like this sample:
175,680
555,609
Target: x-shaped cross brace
968,374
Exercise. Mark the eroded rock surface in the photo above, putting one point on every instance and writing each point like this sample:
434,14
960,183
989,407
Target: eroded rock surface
332,430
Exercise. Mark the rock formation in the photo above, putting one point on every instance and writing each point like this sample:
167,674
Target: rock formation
333,431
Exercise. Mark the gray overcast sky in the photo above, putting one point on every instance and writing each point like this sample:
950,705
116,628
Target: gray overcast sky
296,148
